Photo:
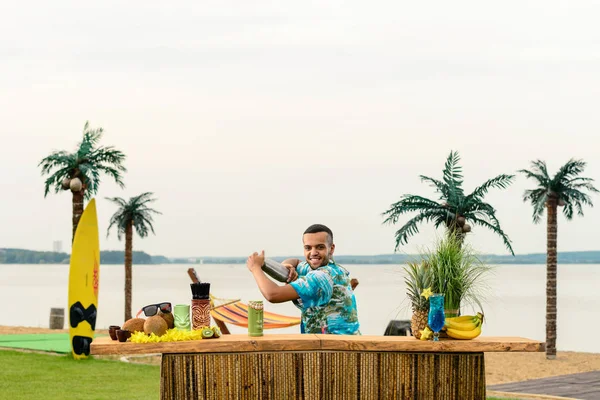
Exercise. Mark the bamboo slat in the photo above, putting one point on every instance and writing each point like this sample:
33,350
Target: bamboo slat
329,375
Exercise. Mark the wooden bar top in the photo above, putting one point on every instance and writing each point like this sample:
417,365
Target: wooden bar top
309,342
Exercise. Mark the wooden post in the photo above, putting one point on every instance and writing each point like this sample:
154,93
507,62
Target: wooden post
57,318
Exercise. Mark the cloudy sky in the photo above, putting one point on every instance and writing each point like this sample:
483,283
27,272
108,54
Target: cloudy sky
252,120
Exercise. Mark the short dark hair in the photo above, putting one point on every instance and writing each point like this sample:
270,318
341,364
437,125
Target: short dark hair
316,228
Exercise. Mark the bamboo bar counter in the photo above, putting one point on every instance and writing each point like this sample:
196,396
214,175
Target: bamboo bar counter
321,366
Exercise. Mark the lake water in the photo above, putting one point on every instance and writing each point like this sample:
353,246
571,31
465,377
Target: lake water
515,303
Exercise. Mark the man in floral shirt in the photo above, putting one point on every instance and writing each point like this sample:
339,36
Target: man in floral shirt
319,287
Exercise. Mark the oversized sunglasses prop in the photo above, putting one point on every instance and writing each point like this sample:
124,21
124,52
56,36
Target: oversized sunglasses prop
152,309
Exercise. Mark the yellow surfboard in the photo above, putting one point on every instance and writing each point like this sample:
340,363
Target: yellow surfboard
84,278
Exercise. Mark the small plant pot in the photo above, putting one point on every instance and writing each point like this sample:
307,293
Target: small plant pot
112,331
123,335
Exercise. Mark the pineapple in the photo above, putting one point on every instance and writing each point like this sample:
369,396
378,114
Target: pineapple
418,278
418,322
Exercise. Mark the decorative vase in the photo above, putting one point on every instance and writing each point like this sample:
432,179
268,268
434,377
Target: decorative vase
181,317
200,313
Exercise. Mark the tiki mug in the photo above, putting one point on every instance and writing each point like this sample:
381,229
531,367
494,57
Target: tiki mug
182,317
200,314
255,318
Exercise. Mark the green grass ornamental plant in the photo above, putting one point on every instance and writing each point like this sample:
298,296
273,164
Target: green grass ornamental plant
451,268
458,273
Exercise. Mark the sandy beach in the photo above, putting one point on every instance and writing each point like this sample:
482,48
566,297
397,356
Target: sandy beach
500,367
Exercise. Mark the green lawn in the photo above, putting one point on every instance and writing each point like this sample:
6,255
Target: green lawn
35,376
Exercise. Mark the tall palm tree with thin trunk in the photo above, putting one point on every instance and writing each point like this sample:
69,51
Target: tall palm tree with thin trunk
565,190
454,210
80,170
131,214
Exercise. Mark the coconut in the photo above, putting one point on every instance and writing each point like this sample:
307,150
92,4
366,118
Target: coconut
561,202
75,185
66,183
134,325
466,228
461,220
168,317
156,325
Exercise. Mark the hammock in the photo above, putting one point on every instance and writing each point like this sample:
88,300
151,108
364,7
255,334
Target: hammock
235,312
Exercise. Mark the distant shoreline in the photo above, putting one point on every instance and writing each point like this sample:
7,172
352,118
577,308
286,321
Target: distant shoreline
23,256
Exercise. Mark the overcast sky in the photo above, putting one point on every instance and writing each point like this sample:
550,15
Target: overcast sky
252,120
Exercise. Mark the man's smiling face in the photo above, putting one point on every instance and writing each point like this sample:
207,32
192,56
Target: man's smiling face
318,248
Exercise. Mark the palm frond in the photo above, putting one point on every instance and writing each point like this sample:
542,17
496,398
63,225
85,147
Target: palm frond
134,211
565,186
87,163
143,199
407,204
578,179
497,230
541,179
569,170
499,182
453,177
411,227
91,137
54,181
54,160
541,167
537,197
113,173
577,200
117,200
119,220
568,209
108,155
440,187
585,185
455,203
141,223
483,210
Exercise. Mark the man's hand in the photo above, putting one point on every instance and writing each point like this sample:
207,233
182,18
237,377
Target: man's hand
292,273
255,261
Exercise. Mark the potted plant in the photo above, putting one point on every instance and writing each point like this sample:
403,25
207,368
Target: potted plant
452,269
458,273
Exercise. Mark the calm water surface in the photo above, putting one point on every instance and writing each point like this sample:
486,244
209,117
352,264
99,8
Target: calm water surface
515,303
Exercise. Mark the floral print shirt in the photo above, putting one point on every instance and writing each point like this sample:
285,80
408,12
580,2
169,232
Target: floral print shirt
326,299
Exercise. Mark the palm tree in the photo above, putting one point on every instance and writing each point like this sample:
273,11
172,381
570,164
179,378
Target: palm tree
132,214
80,171
455,210
565,190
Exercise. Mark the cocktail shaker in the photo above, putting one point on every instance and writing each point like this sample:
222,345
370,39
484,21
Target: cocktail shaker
275,270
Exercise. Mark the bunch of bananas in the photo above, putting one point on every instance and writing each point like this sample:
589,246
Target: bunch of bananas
464,327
